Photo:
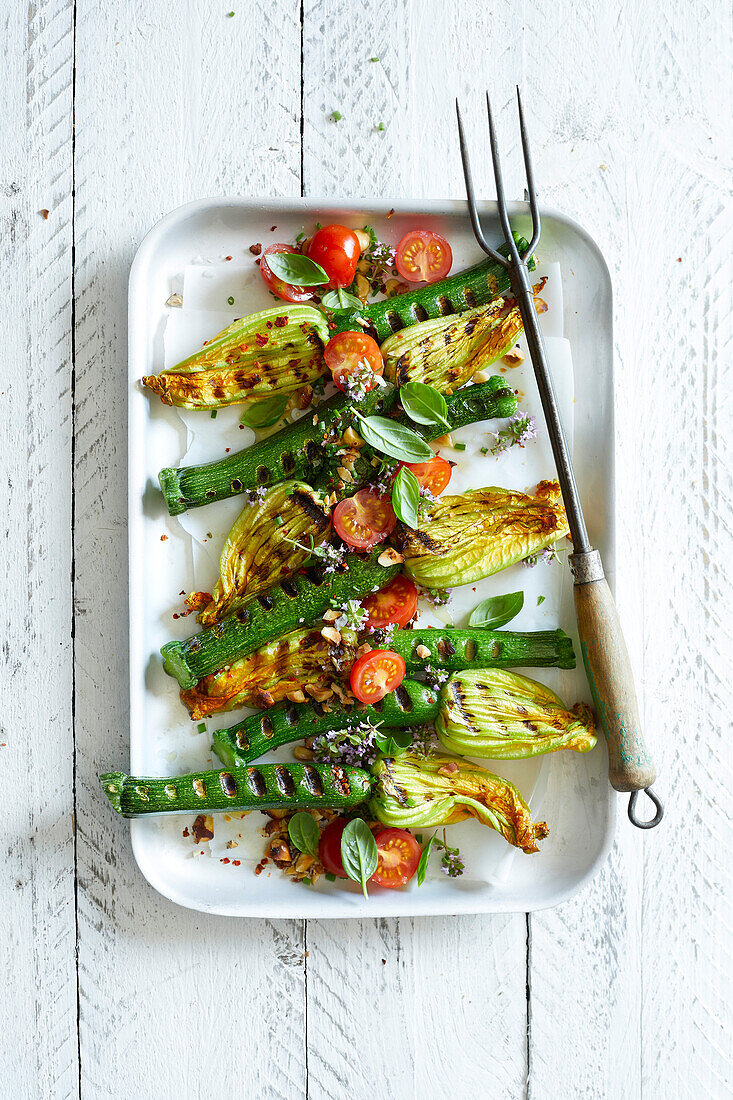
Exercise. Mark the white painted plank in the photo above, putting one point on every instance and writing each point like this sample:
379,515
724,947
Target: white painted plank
174,102
38,1053
638,959
445,1013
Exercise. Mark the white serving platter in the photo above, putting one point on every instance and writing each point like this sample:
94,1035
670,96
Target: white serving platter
202,251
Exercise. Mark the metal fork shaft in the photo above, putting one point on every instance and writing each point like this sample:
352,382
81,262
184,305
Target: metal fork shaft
522,288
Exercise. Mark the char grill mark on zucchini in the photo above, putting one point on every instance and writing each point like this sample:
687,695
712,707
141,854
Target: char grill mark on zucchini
298,601
473,287
271,786
455,650
412,703
293,452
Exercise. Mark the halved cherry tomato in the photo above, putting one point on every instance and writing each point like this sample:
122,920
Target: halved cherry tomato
286,291
399,856
365,519
396,604
336,248
433,475
349,352
376,674
329,847
423,256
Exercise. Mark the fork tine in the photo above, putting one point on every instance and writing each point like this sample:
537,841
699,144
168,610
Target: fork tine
534,209
500,197
472,208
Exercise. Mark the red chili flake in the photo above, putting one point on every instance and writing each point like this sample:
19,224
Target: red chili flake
236,863
175,616
227,257
163,538
281,322
257,262
44,214
227,450
261,340
255,249
225,860
273,228
390,213
269,324
241,427
332,324
243,347
182,592
186,832
679,258
261,866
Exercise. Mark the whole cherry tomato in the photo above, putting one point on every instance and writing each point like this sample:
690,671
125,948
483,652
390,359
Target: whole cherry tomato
336,248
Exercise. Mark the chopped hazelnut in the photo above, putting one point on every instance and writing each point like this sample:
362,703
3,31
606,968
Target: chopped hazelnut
345,474
444,440
541,305
301,753
363,648
448,769
331,634
480,376
296,696
390,557
363,238
513,358
422,652
352,438
330,616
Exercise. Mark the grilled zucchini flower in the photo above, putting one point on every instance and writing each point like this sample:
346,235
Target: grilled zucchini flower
276,351
277,671
501,715
269,541
476,534
441,353
416,793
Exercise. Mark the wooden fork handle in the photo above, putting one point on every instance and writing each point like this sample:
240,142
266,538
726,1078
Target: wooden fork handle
611,680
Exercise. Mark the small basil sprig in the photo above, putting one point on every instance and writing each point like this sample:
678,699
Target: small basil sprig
497,611
296,269
424,404
304,834
393,439
393,743
263,414
341,299
406,497
359,852
422,866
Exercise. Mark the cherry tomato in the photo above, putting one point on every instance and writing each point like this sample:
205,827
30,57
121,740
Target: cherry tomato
329,847
348,352
286,291
337,250
396,603
399,856
433,475
376,674
423,256
365,519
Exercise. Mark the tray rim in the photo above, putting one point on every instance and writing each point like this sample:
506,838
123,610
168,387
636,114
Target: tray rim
137,338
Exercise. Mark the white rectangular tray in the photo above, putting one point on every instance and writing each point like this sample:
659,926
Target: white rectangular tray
168,556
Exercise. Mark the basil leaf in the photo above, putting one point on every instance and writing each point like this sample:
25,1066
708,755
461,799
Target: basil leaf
424,404
406,497
341,299
263,414
296,269
393,439
393,743
359,852
304,833
496,611
422,866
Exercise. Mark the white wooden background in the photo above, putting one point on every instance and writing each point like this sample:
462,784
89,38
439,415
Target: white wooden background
114,111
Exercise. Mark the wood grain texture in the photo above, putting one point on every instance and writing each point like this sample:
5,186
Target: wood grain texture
195,1000
38,1050
623,995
